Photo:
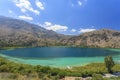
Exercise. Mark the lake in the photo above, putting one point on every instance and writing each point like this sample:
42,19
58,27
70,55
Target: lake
59,56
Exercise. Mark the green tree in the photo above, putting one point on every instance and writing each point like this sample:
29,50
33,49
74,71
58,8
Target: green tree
109,63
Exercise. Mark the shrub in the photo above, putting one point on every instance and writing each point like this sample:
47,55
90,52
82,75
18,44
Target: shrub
62,74
109,63
97,77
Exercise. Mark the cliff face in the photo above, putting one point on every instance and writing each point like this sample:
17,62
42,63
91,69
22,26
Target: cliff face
19,33
102,38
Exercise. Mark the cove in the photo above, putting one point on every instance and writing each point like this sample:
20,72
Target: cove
59,56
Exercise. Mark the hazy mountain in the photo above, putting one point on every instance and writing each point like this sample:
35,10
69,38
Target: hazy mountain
100,38
19,33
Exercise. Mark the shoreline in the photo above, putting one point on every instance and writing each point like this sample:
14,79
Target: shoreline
36,60
9,48
66,67
21,60
83,72
28,61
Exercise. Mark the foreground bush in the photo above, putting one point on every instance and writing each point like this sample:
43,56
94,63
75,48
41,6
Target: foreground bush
45,72
97,77
109,63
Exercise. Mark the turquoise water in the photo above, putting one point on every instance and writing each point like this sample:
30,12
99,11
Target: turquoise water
59,56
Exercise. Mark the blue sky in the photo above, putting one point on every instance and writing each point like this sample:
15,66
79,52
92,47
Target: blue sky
65,16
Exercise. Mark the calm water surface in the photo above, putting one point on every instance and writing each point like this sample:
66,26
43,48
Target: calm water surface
59,56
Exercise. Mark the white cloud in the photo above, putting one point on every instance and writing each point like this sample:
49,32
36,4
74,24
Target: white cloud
25,17
80,3
23,10
54,27
47,24
73,30
25,5
86,30
10,11
39,5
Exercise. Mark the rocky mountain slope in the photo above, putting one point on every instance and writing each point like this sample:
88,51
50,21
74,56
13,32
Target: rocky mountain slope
18,33
101,38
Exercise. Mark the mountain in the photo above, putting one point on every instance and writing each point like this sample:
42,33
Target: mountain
104,38
19,33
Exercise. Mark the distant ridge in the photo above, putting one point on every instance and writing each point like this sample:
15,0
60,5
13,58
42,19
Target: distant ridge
19,33
105,38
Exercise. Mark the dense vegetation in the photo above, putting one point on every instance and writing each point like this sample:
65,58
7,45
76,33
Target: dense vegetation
49,73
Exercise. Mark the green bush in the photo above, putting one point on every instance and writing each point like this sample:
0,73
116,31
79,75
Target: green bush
62,74
55,71
97,77
109,63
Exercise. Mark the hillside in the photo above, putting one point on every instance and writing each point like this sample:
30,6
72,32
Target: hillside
100,38
18,33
